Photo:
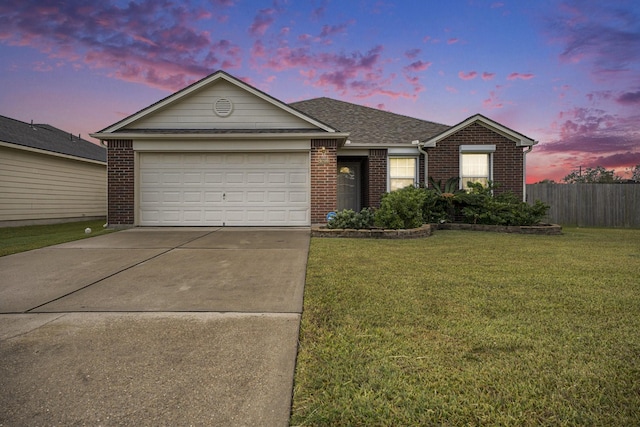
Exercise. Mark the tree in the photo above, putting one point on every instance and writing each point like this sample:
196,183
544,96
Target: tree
635,173
598,175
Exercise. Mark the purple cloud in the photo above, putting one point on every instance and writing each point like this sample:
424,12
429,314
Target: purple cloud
629,98
521,76
150,42
262,21
488,76
468,76
418,66
412,53
599,33
332,30
595,131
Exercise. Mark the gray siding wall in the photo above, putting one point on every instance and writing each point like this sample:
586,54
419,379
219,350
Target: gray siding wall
36,187
590,205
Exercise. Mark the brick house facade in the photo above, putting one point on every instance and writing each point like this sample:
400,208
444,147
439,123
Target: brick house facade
314,157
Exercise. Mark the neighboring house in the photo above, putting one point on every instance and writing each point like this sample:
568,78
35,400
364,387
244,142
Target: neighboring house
48,175
221,152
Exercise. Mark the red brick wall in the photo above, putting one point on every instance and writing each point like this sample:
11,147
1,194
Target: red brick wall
377,176
324,179
120,182
508,159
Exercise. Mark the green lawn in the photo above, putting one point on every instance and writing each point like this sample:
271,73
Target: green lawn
20,239
472,328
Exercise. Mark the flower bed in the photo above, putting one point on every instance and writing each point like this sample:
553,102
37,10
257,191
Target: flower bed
427,229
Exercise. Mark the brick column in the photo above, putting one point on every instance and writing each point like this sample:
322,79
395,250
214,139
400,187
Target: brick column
377,176
324,179
120,182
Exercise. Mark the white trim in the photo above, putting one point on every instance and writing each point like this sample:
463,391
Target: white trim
415,156
490,153
516,137
217,136
477,148
219,75
226,146
50,153
402,151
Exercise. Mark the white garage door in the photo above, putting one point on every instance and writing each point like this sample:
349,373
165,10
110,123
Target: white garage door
224,189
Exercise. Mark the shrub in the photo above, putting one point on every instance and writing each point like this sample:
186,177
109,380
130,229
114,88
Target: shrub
480,206
435,207
401,208
348,218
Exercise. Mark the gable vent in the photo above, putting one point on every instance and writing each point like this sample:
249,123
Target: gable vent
222,107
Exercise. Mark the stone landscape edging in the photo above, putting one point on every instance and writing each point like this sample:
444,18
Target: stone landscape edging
427,229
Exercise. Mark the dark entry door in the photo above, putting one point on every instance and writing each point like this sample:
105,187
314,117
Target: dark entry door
349,186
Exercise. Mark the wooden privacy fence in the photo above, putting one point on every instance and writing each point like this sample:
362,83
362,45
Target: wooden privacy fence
589,205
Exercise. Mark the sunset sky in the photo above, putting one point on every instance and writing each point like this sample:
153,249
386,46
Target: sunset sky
565,73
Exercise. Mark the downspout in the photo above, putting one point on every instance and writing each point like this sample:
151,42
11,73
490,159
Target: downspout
524,171
426,163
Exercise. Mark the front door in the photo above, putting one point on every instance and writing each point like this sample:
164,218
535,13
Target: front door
349,186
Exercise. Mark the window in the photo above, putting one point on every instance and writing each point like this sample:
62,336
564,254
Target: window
402,172
476,164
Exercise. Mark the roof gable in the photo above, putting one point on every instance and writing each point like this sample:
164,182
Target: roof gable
48,138
218,102
369,126
517,137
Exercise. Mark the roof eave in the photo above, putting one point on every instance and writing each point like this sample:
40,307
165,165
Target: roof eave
518,138
106,136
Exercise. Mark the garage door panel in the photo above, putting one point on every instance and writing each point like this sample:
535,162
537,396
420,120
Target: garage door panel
171,178
193,197
213,197
256,178
193,216
169,197
224,189
234,178
298,197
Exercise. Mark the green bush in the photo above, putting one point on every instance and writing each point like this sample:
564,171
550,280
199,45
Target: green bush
401,209
480,206
348,218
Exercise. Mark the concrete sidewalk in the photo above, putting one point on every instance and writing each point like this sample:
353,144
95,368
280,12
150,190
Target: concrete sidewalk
189,326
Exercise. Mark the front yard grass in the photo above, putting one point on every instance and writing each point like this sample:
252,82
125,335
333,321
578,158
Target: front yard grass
20,239
471,328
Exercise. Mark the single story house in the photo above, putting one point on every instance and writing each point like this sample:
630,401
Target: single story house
48,175
223,153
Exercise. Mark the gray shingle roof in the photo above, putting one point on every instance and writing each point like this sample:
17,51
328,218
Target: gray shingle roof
368,125
49,138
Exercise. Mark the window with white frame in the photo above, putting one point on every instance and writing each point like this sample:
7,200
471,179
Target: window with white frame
402,172
476,164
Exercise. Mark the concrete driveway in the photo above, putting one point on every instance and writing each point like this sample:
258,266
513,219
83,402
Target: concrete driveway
153,326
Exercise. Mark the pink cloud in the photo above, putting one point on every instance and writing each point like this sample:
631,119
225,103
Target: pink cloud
493,102
488,76
426,39
146,42
468,76
453,40
596,138
451,89
262,21
521,76
418,66
412,53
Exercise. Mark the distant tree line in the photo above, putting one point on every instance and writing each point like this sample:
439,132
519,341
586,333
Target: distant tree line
596,175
